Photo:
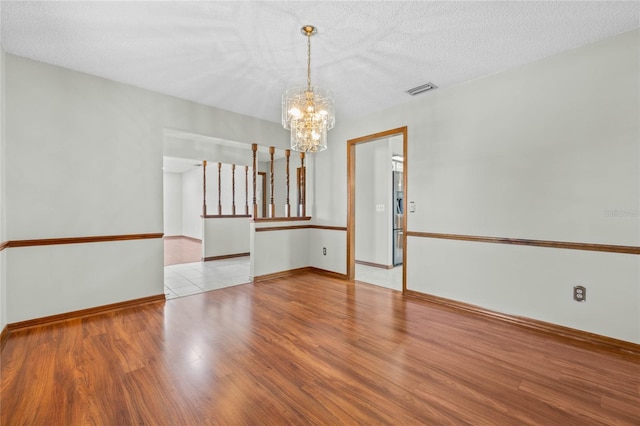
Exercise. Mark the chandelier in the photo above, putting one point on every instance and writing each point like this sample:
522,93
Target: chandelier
309,112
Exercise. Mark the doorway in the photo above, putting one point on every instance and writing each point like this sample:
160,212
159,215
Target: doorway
381,208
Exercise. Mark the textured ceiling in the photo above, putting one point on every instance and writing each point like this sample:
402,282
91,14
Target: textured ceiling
241,56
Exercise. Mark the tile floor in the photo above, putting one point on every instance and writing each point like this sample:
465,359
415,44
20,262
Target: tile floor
389,278
197,277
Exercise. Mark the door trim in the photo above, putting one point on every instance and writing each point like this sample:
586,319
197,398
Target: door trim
351,199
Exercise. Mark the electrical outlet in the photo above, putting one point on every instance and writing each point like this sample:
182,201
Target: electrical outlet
579,293
324,251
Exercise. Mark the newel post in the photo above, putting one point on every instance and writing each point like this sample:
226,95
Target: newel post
204,187
254,148
287,205
272,206
302,206
246,190
233,189
219,190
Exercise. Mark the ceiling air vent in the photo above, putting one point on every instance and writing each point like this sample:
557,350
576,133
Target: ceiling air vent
421,89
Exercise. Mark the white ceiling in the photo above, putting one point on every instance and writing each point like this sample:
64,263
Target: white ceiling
241,56
179,165
181,148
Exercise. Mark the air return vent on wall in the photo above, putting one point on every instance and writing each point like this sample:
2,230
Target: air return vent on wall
421,89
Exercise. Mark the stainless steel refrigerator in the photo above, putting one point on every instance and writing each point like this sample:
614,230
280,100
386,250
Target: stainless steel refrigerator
398,237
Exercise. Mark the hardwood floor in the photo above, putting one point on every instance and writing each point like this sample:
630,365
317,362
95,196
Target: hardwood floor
179,250
307,349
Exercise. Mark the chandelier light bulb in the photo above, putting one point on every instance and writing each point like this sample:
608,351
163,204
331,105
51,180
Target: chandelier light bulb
295,113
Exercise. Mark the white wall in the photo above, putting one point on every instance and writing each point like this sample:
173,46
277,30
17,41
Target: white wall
277,251
192,203
83,158
243,196
264,168
531,282
3,232
543,151
183,199
88,274
225,236
172,193
226,189
373,191
280,185
334,242
225,176
395,143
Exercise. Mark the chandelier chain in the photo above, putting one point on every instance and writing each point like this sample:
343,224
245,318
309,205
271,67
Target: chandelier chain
309,60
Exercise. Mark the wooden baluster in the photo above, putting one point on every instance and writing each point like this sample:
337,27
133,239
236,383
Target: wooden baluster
302,206
254,148
272,206
219,190
233,189
204,187
287,206
246,190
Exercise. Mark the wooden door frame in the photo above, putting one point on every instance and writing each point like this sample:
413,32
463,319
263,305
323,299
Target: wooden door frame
351,199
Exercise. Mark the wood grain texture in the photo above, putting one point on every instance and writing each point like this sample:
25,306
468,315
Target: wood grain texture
219,189
374,265
84,312
81,240
329,228
233,189
326,273
223,216
287,154
4,245
405,209
282,228
263,208
225,256
204,187
4,335
246,190
272,150
281,219
287,273
298,271
524,242
254,171
615,346
302,187
307,349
